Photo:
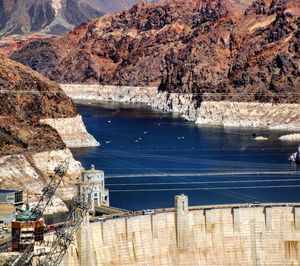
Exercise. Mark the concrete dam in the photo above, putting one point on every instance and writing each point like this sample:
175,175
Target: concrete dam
260,234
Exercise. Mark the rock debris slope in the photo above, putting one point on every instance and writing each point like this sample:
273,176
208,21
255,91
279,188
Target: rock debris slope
218,50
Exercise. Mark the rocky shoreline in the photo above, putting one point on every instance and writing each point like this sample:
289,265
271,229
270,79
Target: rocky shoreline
223,113
65,127
100,93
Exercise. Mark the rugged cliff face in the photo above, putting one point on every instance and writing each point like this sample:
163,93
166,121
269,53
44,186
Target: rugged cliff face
17,138
217,50
26,97
29,102
37,121
13,43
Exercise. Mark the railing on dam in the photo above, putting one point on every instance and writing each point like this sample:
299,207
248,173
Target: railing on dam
129,214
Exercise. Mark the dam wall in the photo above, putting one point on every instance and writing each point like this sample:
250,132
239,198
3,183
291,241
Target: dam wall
210,235
209,113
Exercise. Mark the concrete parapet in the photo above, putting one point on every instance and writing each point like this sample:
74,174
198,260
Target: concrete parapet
182,222
268,218
236,219
85,244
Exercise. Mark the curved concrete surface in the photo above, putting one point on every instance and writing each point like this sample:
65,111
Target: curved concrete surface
261,234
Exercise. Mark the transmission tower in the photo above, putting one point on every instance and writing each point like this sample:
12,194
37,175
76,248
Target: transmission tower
66,235
48,192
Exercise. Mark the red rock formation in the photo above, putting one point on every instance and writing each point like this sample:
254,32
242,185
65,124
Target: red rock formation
13,43
25,98
16,138
218,49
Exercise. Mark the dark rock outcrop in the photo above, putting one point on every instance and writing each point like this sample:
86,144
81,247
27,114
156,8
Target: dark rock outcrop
18,138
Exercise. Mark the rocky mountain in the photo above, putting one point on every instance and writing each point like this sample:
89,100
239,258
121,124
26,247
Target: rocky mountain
52,16
26,97
113,6
218,49
38,122
12,43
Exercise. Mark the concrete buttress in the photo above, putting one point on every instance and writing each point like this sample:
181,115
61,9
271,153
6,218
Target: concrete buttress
182,222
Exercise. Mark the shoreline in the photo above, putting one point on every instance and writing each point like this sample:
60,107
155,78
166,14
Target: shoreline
79,138
265,116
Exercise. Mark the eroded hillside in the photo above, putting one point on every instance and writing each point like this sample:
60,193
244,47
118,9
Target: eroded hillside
26,97
219,50
38,122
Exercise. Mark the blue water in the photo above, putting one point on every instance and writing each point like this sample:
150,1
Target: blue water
210,165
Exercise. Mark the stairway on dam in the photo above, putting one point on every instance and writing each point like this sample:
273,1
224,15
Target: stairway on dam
208,235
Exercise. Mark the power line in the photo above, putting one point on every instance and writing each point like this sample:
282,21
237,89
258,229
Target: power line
207,182
189,160
205,174
175,93
203,188
203,149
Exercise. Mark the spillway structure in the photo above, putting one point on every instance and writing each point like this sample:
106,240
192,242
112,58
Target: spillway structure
258,234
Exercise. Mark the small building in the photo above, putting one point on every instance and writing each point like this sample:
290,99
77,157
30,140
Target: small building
14,197
99,195
26,230
7,213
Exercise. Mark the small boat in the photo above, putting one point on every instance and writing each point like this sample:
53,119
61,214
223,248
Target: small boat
295,157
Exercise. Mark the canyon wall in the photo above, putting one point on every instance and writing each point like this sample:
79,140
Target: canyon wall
279,116
239,51
211,235
273,116
38,122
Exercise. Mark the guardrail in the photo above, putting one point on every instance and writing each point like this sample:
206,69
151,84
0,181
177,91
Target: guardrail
195,208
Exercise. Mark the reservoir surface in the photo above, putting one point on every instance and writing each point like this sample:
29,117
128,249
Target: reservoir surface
149,157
